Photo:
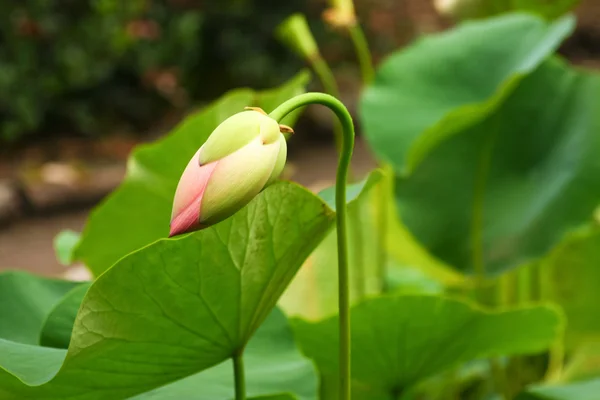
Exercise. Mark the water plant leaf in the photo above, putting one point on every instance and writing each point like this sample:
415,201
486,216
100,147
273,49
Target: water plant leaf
485,180
313,293
25,302
398,341
175,307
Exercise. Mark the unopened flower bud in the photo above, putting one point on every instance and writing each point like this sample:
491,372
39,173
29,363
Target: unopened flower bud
295,33
341,14
242,156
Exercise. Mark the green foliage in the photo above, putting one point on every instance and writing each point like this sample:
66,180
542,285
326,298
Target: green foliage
399,341
273,364
493,150
56,331
93,66
209,311
24,303
570,276
72,67
415,104
504,171
313,293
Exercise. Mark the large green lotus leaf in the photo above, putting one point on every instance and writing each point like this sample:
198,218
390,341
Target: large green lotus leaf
138,212
447,82
398,341
405,255
58,326
484,183
313,294
175,307
506,190
25,302
273,364
570,276
587,390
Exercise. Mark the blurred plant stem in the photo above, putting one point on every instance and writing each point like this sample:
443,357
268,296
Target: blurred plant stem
524,285
504,290
556,358
556,354
295,33
239,375
363,53
500,380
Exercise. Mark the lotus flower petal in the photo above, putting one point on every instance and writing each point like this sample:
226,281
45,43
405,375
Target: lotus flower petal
237,179
236,132
280,162
189,194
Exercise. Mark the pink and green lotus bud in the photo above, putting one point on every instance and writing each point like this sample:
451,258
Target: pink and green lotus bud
242,156
340,14
295,33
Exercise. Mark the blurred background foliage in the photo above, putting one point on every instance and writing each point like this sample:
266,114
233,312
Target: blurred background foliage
86,66
96,67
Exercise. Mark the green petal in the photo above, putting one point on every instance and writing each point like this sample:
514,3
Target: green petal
280,163
236,132
237,179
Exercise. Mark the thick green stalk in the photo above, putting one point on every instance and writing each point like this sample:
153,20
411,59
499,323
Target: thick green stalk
239,376
341,210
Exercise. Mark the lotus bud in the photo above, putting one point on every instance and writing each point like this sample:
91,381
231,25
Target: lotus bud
242,156
295,33
341,14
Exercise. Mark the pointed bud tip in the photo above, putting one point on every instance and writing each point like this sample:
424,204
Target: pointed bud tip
285,129
257,109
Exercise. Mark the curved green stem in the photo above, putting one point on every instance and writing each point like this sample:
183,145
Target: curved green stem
327,79
330,86
239,376
342,232
363,53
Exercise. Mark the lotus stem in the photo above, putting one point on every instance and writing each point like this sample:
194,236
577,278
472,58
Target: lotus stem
239,376
341,210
